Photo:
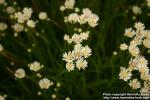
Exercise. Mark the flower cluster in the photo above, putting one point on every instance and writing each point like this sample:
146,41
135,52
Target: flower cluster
77,56
86,17
140,39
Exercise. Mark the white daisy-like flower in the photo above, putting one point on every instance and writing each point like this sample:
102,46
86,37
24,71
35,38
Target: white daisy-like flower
68,57
73,18
20,73
84,35
146,43
44,83
76,38
148,3
86,11
135,84
69,4
43,15
125,74
67,38
86,51
31,23
129,32
139,26
142,62
10,10
81,63
145,91
27,12
136,10
20,17
92,20
133,64
35,66
134,51
18,27
123,46
70,66
3,26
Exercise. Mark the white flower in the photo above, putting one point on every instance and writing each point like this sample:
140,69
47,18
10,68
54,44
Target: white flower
144,71
133,63
138,39
148,3
70,66
73,18
68,39
81,63
133,49
86,51
84,35
145,91
35,66
27,12
18,27
142,62
44,83
147,34
125,74
146,43
123,46
3,26
69,4
144,74
43,15
129,32
139,26
92,20
20,17
68,57
85,17
136,10
77,51
20,73
31,23
76,38
2,97
86,11
2,1
1,48
10,10
77,47
62,8
135,84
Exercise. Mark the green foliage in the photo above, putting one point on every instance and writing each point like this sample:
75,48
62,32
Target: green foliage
103,69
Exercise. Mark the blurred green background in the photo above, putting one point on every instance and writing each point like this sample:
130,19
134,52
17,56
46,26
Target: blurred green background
103,69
